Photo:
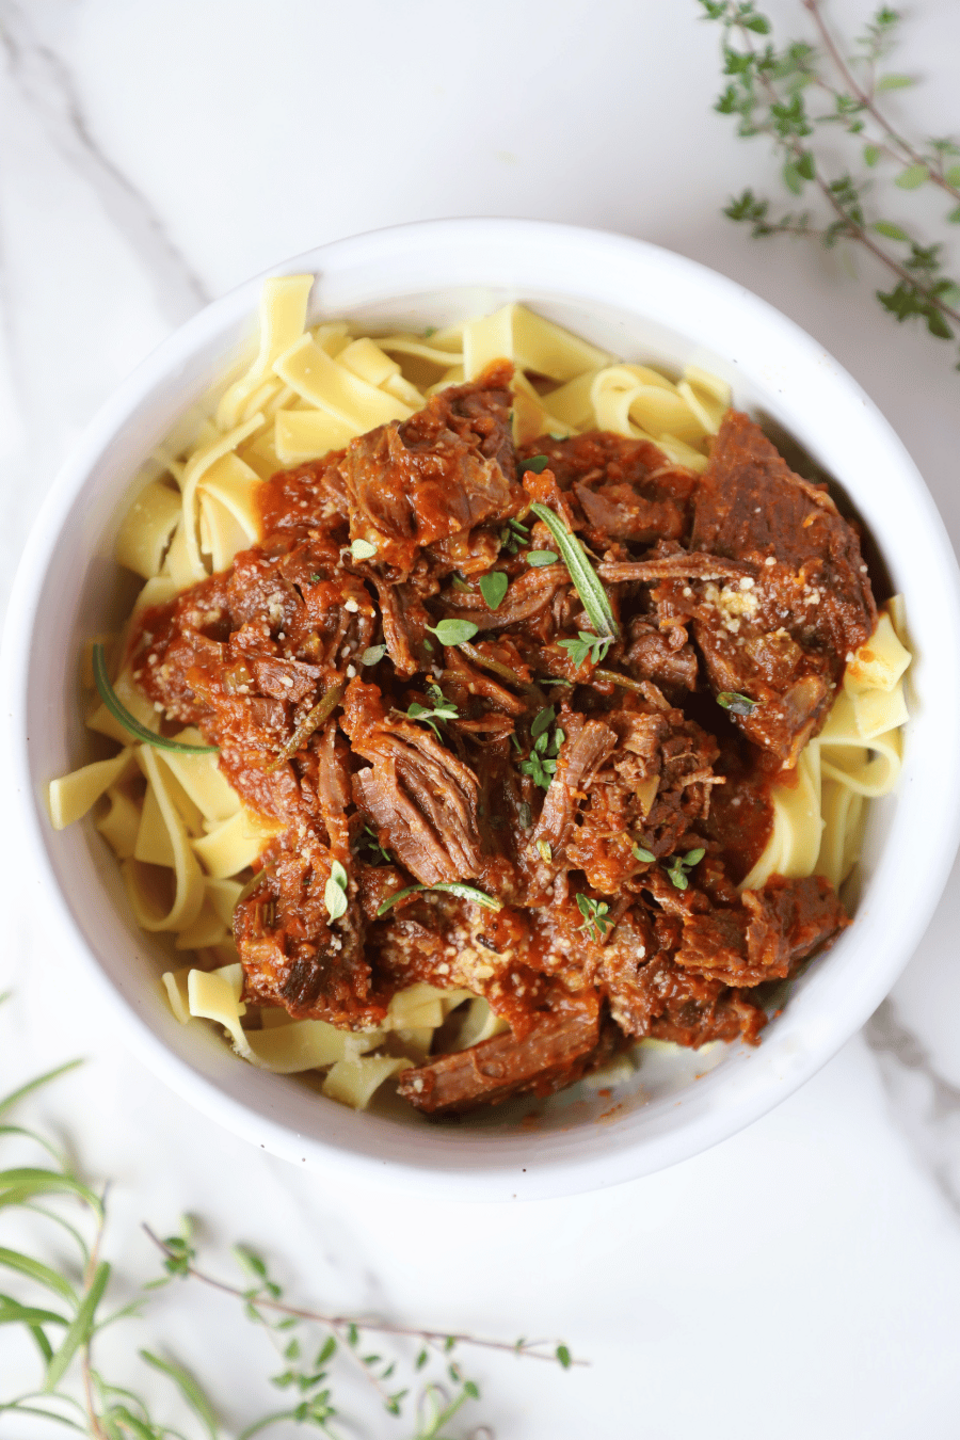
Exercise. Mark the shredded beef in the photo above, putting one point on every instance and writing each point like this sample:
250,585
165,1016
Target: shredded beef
604,804
784,636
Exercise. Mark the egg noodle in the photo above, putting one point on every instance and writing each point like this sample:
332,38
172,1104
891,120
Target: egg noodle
185,841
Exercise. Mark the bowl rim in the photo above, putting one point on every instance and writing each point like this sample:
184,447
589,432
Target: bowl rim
700,1126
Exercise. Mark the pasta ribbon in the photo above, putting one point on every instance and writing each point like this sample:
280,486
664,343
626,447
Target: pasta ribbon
71,796
817,824
283,313
531,342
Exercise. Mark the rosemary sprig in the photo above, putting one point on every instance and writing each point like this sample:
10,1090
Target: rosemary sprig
129,722
586,581
804,98
62,1316
452,887
314,718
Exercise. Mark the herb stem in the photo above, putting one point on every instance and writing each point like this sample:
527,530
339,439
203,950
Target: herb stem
908,155
97,1431
534,1349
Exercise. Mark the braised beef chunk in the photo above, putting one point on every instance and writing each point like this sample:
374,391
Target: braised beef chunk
556,1052
420,798
436,476
627,489
783,635
565,837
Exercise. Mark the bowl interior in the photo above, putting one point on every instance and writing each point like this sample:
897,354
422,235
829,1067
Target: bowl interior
642,304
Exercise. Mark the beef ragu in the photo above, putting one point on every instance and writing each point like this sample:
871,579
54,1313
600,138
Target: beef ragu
405,678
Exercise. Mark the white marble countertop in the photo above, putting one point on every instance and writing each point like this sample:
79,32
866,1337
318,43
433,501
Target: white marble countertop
800,1279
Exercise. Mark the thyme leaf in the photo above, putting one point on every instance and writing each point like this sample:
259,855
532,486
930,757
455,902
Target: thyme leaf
593,646
680,864
454,632
736,703
443,709
335,891
596,916
493,587
370,841
514,536
541,763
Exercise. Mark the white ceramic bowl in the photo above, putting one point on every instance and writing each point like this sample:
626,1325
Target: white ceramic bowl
639,302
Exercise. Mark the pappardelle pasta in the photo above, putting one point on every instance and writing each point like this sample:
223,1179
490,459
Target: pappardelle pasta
583,586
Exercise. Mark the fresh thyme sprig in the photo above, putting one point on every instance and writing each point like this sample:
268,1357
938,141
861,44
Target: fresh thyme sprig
594,646
443,709
61,1308
801,97
596,916
547,736
678,866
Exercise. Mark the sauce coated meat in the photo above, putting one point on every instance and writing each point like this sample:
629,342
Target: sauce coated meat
509,763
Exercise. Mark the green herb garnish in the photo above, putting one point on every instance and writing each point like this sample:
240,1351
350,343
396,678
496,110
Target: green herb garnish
586,582
536,463
542,721
514,536
454,632
586,645
312,721
833,150
68,1382
373,655
736,703
362,550
539,558
443,709
679,865
370,841
541,763
129,722
453,887
335,891
641,853
493,587
596,916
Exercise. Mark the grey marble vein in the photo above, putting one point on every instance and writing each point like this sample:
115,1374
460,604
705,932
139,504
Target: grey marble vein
45,83
925,1105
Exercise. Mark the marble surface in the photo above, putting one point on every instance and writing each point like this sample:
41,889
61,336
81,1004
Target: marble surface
801,1278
